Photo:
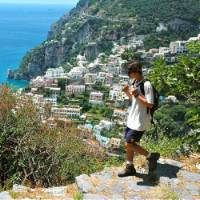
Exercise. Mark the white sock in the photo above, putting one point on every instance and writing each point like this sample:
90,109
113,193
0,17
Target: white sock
129,162
149,155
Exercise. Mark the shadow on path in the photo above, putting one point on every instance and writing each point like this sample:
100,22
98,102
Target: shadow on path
163,170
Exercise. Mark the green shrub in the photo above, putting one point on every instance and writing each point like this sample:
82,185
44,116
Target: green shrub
32,153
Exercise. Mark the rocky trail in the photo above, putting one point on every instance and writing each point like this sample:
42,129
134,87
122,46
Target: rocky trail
174,181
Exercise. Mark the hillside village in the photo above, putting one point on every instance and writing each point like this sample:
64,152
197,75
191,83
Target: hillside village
76,96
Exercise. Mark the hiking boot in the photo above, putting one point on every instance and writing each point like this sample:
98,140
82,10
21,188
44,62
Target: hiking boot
128,171
153,158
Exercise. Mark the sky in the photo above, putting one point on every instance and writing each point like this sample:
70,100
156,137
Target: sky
69,2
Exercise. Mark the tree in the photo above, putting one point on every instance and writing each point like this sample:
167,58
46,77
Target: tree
62,82
181,79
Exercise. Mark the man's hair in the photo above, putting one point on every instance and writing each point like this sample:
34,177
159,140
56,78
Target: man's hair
135,66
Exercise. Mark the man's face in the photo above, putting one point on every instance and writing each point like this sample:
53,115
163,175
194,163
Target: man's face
132,75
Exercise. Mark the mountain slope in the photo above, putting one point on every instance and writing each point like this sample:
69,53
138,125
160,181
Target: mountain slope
93,25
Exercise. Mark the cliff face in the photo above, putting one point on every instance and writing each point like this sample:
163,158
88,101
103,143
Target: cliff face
93,25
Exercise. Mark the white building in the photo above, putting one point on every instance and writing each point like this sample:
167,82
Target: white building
124,78
172,99
115,143
104,141
92,66
136,42
113,95
54,90
74,89
52,73
38,99
96,98
153,51
41,101
66,112
50,100
116,93
108,79
77,73
51,82
158,55
81,61
97,129
114,68
164,50
194,38
102,74
106,124
34,90
37,82
177,47
90,79
105,78
120,113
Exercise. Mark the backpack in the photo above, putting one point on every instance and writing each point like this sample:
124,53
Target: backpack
156,96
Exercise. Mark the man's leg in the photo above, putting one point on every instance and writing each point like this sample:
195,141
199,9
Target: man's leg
131,145
129,152
151,157
129,169
138,149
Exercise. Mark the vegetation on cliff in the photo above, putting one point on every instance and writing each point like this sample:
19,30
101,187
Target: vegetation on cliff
33,154
178,122
102,22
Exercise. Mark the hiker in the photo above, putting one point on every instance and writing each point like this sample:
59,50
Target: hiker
139,119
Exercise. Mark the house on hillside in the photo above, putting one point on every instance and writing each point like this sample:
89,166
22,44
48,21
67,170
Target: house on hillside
96,98
178,47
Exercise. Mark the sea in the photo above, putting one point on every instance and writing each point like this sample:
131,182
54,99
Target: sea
23,27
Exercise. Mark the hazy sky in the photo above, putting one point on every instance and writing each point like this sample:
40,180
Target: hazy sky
71,2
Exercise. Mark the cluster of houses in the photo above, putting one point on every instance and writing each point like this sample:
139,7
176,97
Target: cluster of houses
106,71
106,142
168,53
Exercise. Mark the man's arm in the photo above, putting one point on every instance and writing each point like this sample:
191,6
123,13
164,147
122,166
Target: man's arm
146,100
127,92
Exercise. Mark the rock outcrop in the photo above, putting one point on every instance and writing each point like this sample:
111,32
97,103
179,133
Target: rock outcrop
102,23
173,182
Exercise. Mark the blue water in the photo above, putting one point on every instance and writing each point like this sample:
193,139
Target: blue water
22,27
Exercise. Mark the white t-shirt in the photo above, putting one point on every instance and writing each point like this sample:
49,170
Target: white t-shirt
138,118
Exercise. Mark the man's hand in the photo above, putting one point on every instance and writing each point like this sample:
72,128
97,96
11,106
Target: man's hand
126,88
127,91
134,92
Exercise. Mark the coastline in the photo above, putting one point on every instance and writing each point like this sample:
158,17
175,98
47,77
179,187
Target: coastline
16,84
20,32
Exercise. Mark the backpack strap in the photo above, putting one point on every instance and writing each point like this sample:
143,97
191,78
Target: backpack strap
133,83
141,85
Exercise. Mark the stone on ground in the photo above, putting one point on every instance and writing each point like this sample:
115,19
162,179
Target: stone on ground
171,182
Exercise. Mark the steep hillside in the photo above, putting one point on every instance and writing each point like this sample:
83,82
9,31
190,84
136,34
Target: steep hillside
93,25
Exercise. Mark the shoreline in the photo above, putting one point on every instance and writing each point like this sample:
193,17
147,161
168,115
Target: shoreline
16,84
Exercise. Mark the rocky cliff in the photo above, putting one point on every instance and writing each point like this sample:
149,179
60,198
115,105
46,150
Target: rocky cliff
93,25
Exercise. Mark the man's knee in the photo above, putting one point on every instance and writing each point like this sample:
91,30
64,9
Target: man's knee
129,145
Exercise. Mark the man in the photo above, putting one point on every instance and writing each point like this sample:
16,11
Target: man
139,119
